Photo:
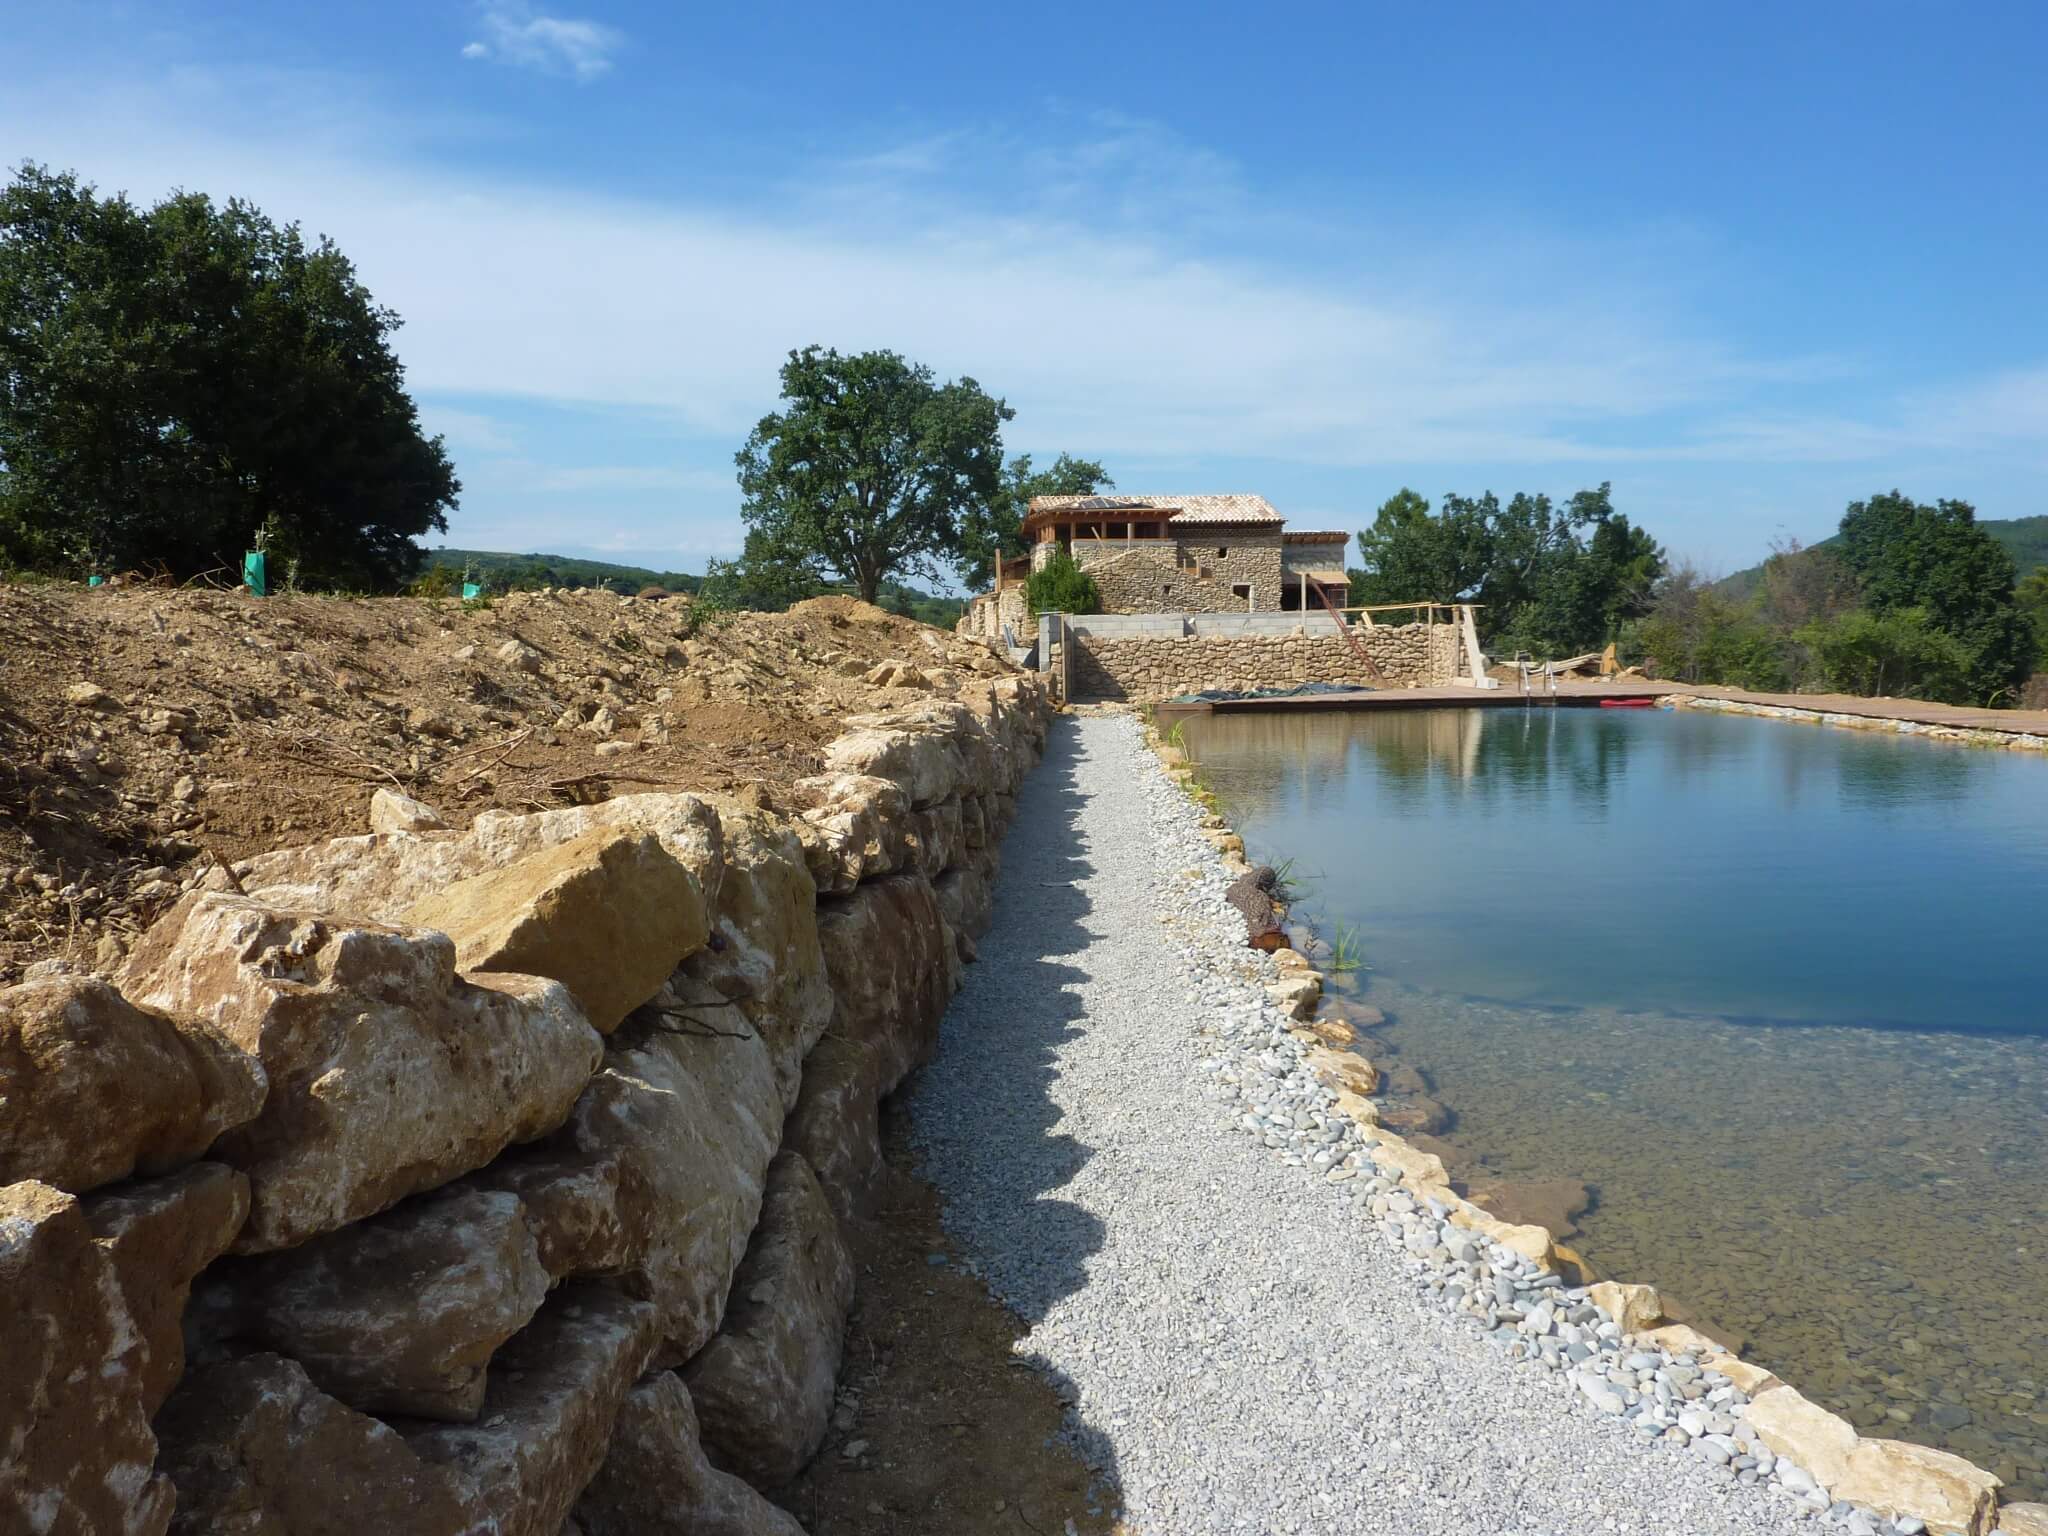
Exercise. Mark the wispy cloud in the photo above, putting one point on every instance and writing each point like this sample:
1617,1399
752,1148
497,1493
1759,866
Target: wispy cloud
515,34
1097,293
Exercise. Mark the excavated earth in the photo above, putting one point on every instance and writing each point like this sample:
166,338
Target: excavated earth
144,728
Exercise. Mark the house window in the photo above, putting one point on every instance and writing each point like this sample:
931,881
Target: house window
1222,552
1242,589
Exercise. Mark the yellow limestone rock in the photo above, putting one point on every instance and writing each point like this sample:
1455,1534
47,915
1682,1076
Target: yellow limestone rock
609,915
1635,1307
1357,1108
1682,1340
1953,1496
1420,1171
1753,1379
2024,1519
1341,1071
1805,1434
1531,1241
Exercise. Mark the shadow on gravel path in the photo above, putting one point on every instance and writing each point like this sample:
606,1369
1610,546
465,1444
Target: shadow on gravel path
994,1121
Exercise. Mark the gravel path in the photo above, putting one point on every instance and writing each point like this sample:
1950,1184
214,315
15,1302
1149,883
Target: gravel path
1242,1348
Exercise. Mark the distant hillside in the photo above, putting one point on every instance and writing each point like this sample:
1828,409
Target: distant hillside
497,568
2025,539
503,571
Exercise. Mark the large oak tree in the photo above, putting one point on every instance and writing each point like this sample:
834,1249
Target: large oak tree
869,467
175,379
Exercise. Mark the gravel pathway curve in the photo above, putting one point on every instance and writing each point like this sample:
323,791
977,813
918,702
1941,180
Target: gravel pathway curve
1242,1350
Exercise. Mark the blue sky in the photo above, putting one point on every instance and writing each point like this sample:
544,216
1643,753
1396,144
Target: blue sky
1747,262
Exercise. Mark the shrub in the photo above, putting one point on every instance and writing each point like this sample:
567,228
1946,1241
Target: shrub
1901,654
1062,587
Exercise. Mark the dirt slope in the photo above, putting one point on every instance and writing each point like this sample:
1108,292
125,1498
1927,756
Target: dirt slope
144,728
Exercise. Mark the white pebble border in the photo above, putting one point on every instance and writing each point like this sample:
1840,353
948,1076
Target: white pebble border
1257,1327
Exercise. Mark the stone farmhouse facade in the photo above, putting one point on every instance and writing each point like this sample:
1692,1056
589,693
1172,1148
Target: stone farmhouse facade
1171,554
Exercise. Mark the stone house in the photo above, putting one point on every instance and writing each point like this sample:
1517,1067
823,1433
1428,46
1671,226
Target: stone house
1189,554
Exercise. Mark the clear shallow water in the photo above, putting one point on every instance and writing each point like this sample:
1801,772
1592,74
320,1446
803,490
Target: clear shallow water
1776,993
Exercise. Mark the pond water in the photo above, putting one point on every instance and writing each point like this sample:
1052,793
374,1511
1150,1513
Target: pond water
1774,993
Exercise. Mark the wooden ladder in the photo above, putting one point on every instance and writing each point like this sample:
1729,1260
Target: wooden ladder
1344,629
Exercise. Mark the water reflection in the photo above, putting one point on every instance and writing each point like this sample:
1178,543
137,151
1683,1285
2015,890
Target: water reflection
1738,867
1586,927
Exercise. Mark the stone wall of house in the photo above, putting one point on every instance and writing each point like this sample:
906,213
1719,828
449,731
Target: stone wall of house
1230,556
1144,668
441,1182
1147,581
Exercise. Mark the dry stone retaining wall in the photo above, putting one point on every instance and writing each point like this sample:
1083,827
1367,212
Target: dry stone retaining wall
1155,667
459,1249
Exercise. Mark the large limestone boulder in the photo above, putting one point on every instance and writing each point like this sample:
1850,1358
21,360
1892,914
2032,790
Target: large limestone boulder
608,915
569,1200
399,1314
763,1386
966,899
389,1074
381,876
836,1125
763,954
855,827
1804,1433
925,762
1952,1496
93,1088
257,1450
159,1234
657,1481
892,967
2024,1519
76,1452
938,838
688,1109
555,1392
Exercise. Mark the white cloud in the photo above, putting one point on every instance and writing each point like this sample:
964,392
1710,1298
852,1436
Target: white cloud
1115,318
516,34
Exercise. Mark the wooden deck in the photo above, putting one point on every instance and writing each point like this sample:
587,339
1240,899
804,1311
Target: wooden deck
1590,693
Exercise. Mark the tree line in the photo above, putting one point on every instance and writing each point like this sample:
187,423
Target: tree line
1909,599
181,382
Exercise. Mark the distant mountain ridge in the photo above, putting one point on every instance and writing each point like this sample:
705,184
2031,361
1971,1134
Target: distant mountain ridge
2024,538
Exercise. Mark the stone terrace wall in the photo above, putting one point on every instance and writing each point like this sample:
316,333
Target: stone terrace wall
1144,667
491,1176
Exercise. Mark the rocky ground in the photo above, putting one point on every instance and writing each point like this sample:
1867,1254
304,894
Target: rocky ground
145,728
1260,1326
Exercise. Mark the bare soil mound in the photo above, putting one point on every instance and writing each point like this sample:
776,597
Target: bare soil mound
142,729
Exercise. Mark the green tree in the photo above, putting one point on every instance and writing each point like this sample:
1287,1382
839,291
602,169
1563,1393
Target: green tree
997,526
1550,579
173,379
1061,586
1935,560
1693,634
1901,653
869,467
1408,555
758,580
2032,597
